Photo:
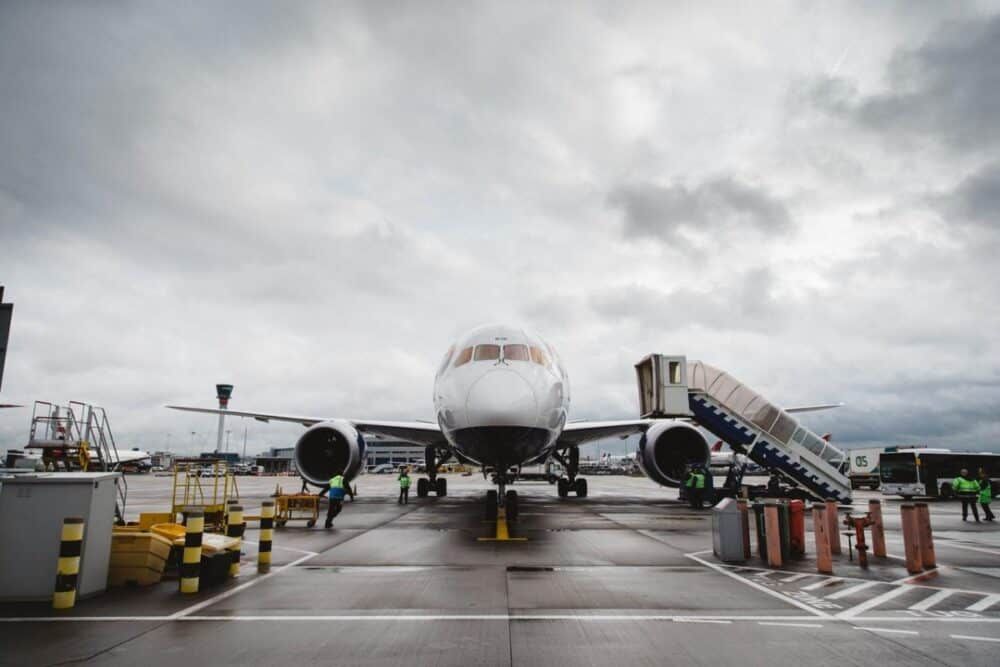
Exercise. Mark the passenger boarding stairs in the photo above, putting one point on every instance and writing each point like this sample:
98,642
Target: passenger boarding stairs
745,420
78,435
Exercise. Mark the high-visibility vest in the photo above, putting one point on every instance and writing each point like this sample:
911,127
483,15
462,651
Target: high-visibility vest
986,492
696,481
962,485
337,487
404,481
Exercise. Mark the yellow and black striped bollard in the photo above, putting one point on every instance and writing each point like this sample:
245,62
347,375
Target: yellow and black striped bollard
235,529
266,536
191,562
70,546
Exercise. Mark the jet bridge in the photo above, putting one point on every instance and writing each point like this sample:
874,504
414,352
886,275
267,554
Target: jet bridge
745,420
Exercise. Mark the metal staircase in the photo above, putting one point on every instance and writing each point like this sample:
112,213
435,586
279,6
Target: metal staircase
672,387
78,437
768,435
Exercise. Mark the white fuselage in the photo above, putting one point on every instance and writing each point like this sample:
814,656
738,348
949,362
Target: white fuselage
501,396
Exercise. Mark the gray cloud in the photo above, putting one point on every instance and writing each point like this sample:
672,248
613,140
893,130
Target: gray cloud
976,199
946,89
718,205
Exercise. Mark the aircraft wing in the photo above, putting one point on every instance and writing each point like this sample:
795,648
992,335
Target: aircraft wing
131,455
578,433
814,408
423,433
10,405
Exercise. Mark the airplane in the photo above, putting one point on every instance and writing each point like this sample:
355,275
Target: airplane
501,398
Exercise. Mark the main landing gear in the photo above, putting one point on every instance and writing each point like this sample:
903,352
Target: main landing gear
439,485
507,499
571,462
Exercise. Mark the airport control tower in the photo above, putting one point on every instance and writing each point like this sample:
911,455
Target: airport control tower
222,392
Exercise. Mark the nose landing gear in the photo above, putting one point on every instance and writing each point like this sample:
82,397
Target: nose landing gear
501,497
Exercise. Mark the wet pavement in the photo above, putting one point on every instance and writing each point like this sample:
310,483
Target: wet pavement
625,576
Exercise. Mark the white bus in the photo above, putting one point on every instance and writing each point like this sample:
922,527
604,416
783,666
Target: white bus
929,472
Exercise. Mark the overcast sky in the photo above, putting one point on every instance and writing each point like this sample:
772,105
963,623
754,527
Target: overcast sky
310,201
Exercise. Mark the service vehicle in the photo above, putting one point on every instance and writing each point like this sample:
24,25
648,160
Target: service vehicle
930,472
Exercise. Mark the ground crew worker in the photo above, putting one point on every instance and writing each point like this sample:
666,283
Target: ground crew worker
967,490
985,494
695,484
404,486
336,497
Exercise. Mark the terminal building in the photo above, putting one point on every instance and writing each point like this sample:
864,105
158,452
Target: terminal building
377,453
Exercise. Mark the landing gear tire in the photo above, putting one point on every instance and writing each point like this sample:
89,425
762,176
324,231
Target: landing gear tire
441,487
491,506
512,507
580,486
562,486
423,485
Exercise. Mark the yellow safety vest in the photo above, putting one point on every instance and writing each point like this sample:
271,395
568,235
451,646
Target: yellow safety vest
696,481
337,482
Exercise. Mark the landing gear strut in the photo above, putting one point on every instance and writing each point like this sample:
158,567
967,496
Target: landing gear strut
571,482
438,485
501,497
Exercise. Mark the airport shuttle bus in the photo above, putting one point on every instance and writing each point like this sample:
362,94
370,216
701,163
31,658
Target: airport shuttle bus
929,472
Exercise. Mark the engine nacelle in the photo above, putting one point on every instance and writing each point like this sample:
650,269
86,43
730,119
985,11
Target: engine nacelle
667,448
329,448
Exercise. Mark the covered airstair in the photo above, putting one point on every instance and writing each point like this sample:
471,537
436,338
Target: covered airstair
744,420
77,437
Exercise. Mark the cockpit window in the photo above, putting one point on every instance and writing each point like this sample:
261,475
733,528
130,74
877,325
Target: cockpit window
463,357
515,352
538,356
487,353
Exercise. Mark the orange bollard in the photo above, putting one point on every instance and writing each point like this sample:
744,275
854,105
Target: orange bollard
878,528
741,505
824,560
911,538
772,528
833,527
927,556
797,527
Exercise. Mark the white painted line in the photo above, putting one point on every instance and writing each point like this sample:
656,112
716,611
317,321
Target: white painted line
975,638
852,590
753,584
889,630
931,600
275,546
830,581
700,620
874,602
242,587
792,625
796,577
984,604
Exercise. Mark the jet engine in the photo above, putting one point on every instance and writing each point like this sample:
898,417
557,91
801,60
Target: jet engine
667,448
329,448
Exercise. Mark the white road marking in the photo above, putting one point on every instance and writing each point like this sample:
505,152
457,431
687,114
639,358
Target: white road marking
276,546
975,638
984,604
830,581
791,625
754,584
852,590
700,620
888,630
242,587
874,602
796,577
931,600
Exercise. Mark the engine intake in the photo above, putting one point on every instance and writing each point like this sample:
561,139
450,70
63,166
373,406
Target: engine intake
667,448
329,448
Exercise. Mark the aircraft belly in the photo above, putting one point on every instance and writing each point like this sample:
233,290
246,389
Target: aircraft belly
501,446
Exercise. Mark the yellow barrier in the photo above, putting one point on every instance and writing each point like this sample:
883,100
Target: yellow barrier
235,529
266,536
191,563
68,569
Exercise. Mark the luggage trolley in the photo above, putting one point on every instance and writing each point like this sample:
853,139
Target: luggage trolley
297,507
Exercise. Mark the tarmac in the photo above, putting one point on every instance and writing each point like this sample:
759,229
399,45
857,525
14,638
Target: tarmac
625,576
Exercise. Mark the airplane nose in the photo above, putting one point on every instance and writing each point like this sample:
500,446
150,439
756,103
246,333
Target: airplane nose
501,398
